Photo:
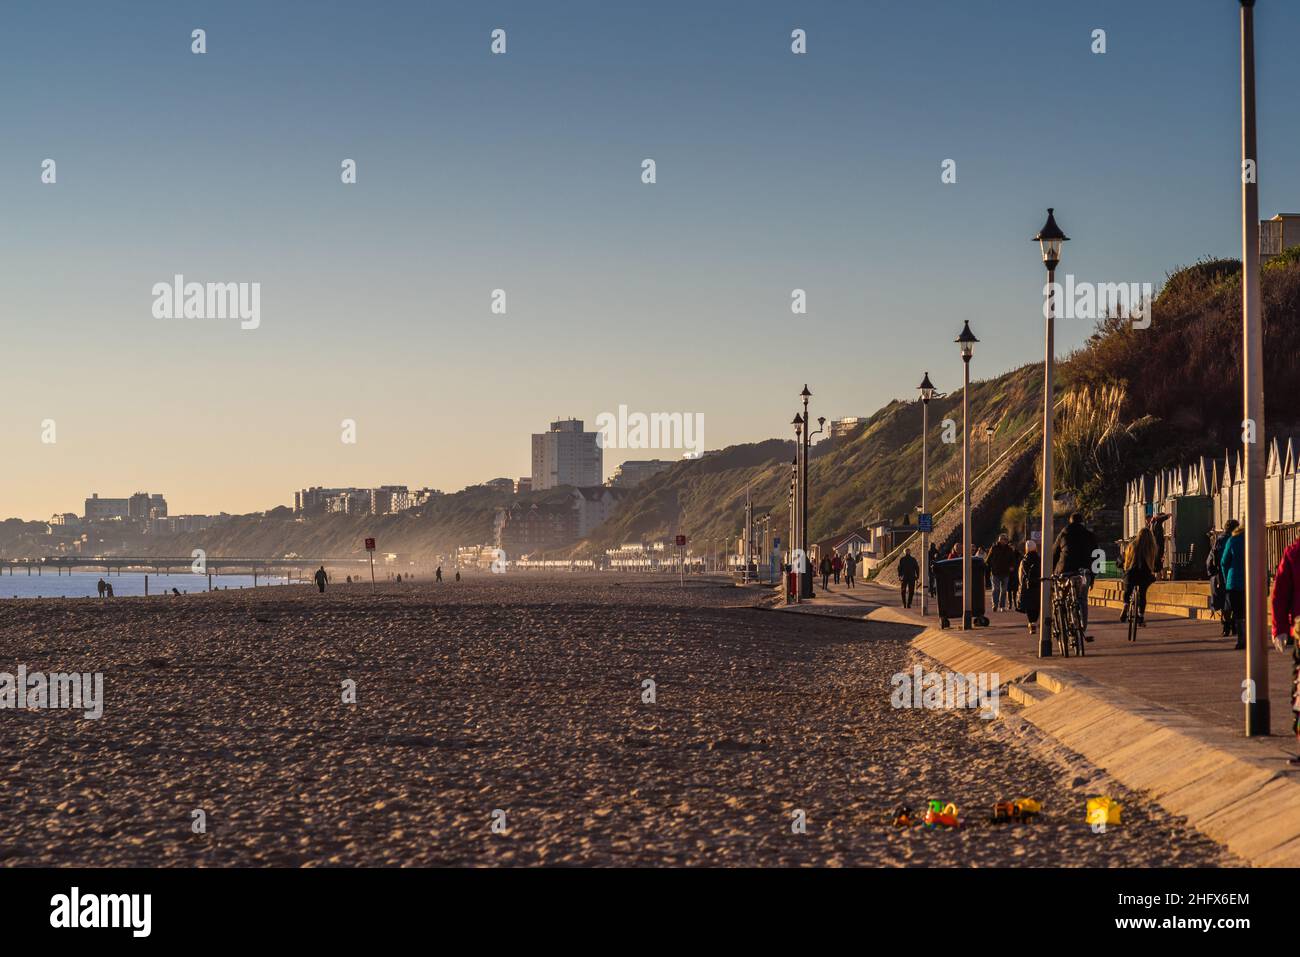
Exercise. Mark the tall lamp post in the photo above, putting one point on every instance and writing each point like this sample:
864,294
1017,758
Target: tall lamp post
1049,239
808,433
927,391
1256,698
799,558
966,342
792,538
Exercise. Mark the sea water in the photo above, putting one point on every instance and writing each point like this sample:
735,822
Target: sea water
80,584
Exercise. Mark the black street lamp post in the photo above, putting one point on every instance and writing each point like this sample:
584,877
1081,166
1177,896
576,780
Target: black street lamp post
1049,239
966,342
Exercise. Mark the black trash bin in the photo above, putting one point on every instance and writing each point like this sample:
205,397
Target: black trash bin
947,580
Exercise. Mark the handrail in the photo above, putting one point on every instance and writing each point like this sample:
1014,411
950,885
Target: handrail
1036,428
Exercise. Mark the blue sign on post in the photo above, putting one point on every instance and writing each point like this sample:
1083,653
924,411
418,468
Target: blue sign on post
925,522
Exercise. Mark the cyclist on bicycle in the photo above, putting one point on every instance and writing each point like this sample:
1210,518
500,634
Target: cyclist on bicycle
1139,572
1072,555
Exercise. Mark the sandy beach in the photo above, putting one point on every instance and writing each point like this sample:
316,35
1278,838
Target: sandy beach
518,694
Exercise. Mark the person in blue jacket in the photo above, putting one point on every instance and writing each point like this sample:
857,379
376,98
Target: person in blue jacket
1233,566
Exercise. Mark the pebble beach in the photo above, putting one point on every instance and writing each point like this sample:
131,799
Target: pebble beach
520,720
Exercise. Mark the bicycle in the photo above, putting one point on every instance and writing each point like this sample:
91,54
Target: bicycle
1067,623
1131,612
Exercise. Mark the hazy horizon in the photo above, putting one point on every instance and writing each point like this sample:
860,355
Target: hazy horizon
522,172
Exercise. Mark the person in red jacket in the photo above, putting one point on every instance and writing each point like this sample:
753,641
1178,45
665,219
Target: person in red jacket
1286,621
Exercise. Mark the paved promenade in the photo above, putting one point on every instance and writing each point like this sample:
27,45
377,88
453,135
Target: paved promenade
1179,663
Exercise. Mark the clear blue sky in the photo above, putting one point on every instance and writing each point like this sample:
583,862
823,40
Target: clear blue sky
522,172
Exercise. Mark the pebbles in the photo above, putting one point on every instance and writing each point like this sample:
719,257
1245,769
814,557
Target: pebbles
501,721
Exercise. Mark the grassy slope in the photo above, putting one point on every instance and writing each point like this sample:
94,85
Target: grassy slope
1182,388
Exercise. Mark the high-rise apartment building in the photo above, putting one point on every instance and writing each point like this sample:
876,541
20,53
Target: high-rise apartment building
566,455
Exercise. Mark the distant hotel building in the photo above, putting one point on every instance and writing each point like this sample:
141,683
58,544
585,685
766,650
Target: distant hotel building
384,500
389,499
635,471
566,455
105,509
178,524
140,507
523,529
843,426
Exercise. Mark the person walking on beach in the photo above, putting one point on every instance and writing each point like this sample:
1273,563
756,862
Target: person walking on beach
1139,572
825,569
1031,570
458,574
321,579
1285,603
102,587
1233,562
850,567
1001,557
837,566
437,574
108,590
909,569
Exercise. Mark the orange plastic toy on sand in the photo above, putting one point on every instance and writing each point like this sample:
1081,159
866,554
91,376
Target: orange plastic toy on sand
942,814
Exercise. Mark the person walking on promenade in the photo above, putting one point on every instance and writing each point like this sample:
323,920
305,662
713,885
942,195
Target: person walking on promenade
1214,567
1000,561
1013,581
909,569
956,551
437,574
458,574
1139,572
1158,530
321,579
1031,570
850,568
932,558
1072,554
102,587
1233,562
837,566
1285,603
825,568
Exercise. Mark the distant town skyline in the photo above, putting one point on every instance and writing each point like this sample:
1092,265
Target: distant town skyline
523,173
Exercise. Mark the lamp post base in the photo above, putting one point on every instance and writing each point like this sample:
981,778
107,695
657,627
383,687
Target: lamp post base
1044,646
967,622
1257,719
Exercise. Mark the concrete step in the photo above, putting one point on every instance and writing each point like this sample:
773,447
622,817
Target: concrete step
1026,691
1048,678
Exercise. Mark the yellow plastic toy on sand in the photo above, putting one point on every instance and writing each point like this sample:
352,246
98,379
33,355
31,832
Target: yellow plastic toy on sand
1103,811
